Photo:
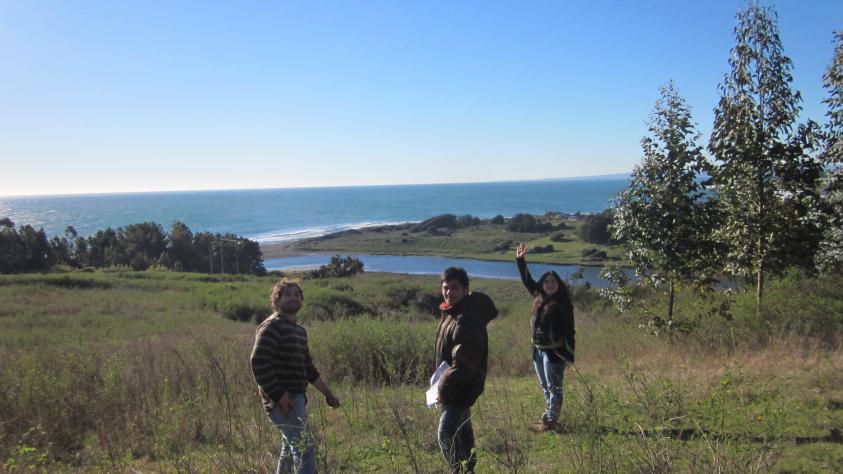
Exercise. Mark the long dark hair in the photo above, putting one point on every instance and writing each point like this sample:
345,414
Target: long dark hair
561,297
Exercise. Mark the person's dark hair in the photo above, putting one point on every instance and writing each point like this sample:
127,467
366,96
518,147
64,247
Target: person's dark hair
456,273
562,296
275,296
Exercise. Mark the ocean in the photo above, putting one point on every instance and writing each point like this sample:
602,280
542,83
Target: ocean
272,215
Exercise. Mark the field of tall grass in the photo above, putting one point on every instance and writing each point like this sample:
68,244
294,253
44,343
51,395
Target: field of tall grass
148,372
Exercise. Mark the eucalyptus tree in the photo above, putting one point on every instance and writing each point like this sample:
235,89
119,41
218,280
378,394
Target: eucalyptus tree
830,256
663,217
765,176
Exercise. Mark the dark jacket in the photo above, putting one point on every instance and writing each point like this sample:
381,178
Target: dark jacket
462,342
552,324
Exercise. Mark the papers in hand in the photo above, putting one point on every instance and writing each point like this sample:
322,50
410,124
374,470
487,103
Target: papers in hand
433,392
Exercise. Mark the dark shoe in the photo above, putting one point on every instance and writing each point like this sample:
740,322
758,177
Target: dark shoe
548,425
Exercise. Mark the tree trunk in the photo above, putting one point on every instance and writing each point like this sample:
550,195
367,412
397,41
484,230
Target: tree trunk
759,292
670,302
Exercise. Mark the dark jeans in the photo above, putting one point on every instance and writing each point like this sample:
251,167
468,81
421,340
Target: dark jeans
456,438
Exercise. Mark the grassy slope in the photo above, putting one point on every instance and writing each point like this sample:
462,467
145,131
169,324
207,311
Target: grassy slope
477,242
123,371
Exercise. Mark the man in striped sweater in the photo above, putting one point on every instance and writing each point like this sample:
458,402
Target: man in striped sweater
282,367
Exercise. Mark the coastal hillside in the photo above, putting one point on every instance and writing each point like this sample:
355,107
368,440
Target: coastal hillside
124,371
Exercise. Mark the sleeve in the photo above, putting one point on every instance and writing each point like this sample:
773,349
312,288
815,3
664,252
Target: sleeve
526,279
266,344
466,356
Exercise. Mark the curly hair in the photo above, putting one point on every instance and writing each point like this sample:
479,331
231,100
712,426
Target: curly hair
278,289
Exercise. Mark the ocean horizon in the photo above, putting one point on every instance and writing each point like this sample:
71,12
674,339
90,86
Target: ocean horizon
277,215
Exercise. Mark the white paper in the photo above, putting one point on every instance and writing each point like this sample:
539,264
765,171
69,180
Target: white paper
433,392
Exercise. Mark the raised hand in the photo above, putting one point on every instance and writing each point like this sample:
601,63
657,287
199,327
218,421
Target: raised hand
520,250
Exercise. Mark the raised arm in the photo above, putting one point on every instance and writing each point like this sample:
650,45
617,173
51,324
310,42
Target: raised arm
526,279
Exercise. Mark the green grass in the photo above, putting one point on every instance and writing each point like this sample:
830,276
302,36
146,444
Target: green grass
477,242
125,372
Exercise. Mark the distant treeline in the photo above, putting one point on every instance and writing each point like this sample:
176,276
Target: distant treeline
595,228
136,246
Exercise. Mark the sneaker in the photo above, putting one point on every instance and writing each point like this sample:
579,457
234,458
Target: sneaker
548,425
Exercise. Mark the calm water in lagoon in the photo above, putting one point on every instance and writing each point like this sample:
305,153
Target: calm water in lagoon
423,265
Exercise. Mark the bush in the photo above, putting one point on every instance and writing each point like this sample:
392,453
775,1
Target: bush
402,296
504,246
559,237
595,229
594,255
326,304
444,221
541,249
339,267
527,223
378,351
468,220
498,220
245,312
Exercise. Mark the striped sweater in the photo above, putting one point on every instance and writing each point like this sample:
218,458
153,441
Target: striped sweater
281,359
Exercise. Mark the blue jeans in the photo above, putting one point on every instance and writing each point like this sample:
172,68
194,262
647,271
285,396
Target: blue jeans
456,438
551,372
298,444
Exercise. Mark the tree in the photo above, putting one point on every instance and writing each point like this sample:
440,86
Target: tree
104,249
181,251
754,143
339,267
663,216
830,256
11,248
595,228
527,223
143,243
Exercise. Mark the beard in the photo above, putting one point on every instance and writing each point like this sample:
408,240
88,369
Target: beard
291,307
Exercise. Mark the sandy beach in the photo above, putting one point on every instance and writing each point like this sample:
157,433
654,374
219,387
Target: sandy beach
281,250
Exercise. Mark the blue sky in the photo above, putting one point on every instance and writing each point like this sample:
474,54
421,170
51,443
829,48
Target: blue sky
104,96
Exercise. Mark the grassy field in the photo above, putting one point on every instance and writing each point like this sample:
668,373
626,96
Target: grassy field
148,372
478,242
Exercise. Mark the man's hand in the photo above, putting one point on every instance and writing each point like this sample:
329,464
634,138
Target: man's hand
520,250
284,404
332,400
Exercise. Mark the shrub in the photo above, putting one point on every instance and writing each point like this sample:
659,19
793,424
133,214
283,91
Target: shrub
527,223
558,237
498,220
542,249
504,246
339,267
594,255
366,350
244,312
595,229
326,304
446,221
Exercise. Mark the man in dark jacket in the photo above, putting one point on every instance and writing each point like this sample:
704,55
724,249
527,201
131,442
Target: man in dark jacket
461,342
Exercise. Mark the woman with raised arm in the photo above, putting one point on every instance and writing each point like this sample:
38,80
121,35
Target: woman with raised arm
552,329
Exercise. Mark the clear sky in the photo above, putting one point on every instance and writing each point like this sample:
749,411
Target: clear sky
114,96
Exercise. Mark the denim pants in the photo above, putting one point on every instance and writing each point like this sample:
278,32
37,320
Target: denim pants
456,438
297,454
551,372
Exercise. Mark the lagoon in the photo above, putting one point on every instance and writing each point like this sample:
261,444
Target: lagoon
428,265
